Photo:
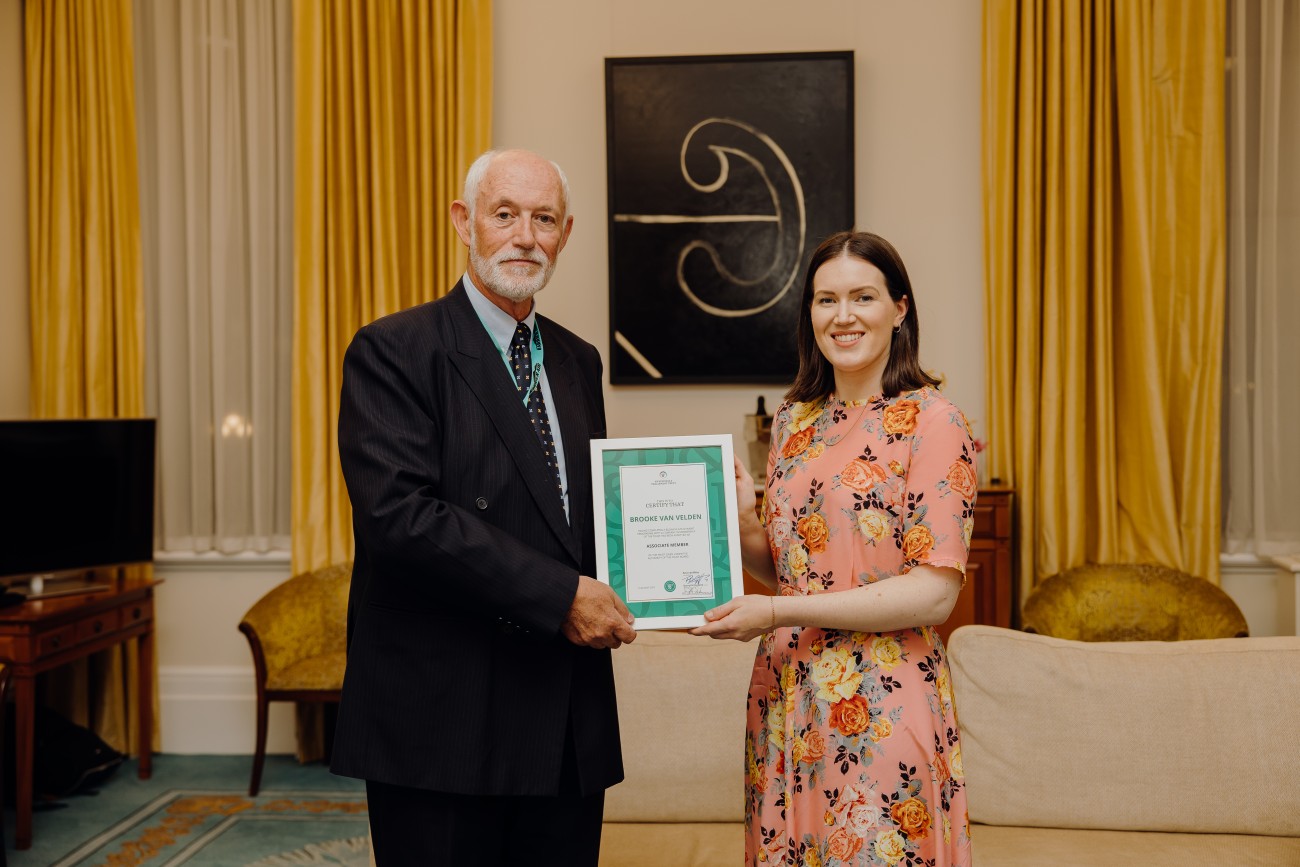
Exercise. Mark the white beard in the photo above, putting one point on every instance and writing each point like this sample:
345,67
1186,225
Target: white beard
499,280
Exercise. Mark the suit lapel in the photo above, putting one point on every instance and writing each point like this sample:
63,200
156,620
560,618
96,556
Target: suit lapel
480,364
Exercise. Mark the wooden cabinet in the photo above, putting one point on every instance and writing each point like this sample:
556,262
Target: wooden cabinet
990,591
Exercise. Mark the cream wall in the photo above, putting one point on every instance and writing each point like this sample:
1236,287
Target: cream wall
205,669
15,345
917,112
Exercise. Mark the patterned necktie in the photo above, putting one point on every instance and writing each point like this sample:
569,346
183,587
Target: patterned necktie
521,359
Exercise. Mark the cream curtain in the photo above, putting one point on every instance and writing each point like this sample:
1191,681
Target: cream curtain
1262,402
87,316
214,79
1105,244
393,102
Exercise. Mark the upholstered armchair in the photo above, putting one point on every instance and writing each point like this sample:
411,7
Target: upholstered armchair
1131,602
297,633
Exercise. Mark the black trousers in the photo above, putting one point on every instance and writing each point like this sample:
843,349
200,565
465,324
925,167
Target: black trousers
418,828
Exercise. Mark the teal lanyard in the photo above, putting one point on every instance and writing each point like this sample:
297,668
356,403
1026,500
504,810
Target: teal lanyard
538,353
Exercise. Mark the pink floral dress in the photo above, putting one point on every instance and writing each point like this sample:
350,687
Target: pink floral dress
852,751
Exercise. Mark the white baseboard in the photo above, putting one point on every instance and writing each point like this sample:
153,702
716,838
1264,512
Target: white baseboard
1264,590
212,710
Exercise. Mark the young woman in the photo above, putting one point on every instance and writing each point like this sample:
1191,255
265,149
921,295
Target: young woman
852,748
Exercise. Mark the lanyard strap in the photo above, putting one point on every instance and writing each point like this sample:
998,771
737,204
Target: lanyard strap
538,352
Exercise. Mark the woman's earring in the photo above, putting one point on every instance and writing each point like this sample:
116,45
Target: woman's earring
897,327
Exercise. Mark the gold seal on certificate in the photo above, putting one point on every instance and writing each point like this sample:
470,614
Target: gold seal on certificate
669,541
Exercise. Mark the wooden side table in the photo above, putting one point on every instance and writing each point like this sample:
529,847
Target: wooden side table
42,634
989,594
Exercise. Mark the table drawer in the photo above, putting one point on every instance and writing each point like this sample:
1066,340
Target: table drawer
56,640
101,624
986,523
136,612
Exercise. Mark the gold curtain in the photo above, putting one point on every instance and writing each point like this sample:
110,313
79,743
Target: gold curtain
393,102
87,311
1104,272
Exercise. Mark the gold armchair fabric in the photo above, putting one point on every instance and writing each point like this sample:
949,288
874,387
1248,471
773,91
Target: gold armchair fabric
1131,602
297,633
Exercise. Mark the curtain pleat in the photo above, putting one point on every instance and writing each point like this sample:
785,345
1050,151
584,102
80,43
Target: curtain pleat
87,314
1104,232
392,103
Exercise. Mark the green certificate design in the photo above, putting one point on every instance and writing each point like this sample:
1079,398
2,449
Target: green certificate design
668,543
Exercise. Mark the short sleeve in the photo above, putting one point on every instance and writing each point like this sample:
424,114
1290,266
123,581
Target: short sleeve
941,488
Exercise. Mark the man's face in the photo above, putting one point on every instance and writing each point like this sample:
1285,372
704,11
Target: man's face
518,227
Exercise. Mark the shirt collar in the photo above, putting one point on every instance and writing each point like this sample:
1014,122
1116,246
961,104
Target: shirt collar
500,324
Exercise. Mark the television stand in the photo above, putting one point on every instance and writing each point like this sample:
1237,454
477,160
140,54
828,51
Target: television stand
53,584
46,633
50,587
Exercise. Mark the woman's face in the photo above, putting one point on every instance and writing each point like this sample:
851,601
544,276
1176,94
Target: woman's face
853,319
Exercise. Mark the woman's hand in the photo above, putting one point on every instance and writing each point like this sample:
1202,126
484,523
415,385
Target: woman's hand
741,619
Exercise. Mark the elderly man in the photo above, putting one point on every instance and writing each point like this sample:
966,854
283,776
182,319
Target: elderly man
478,703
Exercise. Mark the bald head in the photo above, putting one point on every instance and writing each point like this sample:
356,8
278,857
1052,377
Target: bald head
478,170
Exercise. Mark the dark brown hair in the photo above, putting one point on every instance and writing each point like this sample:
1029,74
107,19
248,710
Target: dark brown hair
816,378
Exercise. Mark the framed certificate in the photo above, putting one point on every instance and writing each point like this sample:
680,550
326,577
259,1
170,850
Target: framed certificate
669,541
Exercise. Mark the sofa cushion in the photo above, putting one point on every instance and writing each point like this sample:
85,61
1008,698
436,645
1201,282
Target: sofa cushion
669,844
1186,736
681,715
1004,846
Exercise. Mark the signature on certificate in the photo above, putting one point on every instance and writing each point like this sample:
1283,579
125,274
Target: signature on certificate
696,584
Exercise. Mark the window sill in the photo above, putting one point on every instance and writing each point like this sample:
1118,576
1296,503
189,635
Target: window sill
246,561
1247,560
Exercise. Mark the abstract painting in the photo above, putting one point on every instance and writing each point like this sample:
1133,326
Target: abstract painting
725,173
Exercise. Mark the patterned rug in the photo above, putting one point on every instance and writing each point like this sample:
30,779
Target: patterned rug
210,828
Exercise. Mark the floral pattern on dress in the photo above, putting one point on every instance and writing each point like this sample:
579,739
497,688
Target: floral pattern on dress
852,750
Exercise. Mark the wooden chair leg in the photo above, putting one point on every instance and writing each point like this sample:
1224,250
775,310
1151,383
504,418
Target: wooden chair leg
259,757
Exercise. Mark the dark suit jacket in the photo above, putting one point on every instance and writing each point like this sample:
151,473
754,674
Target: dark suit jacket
458,678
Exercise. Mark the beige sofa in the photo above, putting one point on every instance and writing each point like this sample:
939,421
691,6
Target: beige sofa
1146,753
1075,754
681,711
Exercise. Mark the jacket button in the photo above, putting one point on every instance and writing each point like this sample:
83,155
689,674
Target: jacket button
481,503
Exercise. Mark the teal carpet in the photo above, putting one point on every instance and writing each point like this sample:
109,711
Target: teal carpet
196,811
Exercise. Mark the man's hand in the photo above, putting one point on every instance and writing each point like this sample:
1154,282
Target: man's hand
598,617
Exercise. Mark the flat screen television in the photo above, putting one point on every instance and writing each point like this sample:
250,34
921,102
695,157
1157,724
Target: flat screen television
75,495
